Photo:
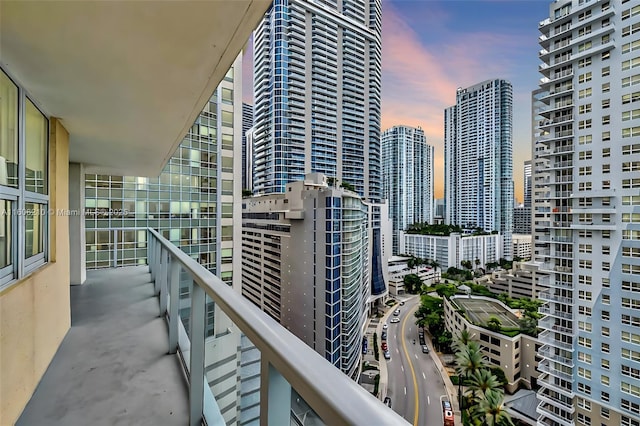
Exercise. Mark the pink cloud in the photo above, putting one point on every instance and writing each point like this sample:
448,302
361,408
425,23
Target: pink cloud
420,81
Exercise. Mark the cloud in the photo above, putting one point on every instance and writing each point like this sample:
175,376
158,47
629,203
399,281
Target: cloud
420,77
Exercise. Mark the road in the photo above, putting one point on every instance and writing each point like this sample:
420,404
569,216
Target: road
409,369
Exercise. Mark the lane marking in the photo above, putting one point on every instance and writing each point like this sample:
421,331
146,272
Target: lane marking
416,355
405,390
413,373
402,367
428,400
424,377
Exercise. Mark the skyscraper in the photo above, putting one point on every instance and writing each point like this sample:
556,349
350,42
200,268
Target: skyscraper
590,129
478,159
526,181
407,178
317,85
247,148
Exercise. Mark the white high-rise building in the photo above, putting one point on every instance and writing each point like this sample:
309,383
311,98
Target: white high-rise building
317,85
590,128
407,178
526,182
478,159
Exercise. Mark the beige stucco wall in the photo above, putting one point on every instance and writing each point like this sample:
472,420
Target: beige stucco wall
35,312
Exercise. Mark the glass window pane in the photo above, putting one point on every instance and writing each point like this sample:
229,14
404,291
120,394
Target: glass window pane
5,233
8,132
36,128
34,215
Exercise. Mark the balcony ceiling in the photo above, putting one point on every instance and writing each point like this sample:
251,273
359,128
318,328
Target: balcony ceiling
127,78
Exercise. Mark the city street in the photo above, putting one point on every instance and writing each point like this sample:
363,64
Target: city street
415,385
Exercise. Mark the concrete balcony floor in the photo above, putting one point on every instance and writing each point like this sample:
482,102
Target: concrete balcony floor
112,367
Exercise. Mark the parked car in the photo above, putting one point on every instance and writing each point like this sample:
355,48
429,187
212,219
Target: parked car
383,336
422,342
394,320
387,355
425,349
446,405
385,326
384,346
448,418
387,401
402,303
396,312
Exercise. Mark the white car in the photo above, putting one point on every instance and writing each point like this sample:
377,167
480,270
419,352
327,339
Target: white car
385,326
395,320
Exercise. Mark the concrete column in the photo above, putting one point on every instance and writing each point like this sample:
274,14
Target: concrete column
77,237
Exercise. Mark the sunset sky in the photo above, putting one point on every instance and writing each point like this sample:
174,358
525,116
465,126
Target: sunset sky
430,48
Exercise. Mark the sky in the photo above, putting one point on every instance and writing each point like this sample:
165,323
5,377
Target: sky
432,47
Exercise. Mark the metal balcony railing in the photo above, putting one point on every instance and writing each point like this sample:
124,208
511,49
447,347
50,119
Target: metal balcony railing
287,365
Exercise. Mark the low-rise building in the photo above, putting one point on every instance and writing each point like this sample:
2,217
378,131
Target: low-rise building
521,245
522,280
427,275
451,250
515,355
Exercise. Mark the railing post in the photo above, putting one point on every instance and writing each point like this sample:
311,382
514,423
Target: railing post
174,305
164,287
275,396
161,265
164,272
151,244
196,372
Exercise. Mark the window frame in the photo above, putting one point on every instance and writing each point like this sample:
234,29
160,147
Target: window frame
21,265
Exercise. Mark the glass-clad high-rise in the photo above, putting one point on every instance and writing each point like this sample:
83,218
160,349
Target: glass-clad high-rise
317,85
478,159
407,178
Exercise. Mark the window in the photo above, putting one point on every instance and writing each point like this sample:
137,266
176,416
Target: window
631,166
631,29
584,93
630,389
586,389
629,47
583,78
631,97
585,155
227,95
606,136
584,342
23,187
606,152
584,124
584,373
606,331
584,109
631,81
606,299
628,13
606,168
630,183
604,363
584,357
631,200
631,149
627,336
606,87
606,103
634,407
606,71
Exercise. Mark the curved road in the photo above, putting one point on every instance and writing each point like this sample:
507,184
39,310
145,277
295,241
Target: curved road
415,385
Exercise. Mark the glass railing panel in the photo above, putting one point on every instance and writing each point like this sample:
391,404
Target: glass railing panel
301,413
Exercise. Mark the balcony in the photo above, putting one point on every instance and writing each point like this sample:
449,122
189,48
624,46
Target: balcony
122,358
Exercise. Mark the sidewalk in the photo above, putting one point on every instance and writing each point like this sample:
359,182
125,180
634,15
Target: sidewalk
452,392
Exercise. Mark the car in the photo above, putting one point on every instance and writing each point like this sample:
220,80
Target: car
387,401
402,303
422,342
448,418
384,346
395,320
425,349
446,405
387,355
385,326
396,312
383,336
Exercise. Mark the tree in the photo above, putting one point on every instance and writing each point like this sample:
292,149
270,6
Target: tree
331,181
494,324
483,381
247,192
412,283
491,410
470,359
348,186
462,340
529,326
477,262
446,290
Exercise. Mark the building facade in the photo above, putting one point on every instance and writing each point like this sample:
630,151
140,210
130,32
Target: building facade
307,263
522,220
527,184
247,147
517,355
590,131
522,246
317,105
407,178
451,250
478,159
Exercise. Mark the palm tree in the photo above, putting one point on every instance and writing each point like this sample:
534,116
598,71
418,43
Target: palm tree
482,382
462,340
491,410
469,360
